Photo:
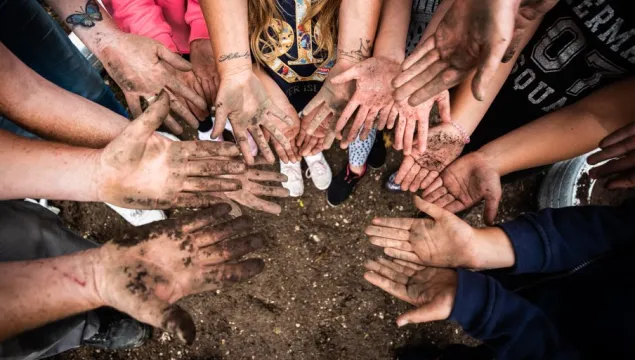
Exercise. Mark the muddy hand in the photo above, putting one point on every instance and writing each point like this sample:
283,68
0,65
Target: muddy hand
466,182
144,273
142,68
244,101
251,190
420,170
144,170
443,240
204,67
372,98
431,290
620,171
327,106
472,35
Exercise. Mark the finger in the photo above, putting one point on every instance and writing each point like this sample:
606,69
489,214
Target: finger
369,124
618,149
394,266
309,146
223,275
214,167
407,163
392,287
455,206
346,114
625,180
407,181
362,113
281,139
403,255
282,154
263,145
220,120
351,74
445,200
436,194
392,117
318,120
409,265
328,141
618,136
132,141
198,200
395,244
170,318
231,249
420,81
613,167
400,131
313,104
202,218
300,139
173,59
173,125
419,52
134,105
223,231
395,223
492,58
183,90
256,203
422,314
386,272
278,113
260,175
491,207
437,182
420,67
183,112
443,104
416,183
203,149
445,80
422,129
432,181
207,90
388,233
383,117
204,184
434,211
243,143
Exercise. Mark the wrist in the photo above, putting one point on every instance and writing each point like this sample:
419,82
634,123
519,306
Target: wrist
102,43
394,55
82,269
495,158
97,174
491,249
236,70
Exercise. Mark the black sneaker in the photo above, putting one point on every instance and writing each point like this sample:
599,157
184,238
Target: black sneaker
118,331
377,157
342,186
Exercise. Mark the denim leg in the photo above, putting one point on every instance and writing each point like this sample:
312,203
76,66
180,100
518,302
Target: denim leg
36,39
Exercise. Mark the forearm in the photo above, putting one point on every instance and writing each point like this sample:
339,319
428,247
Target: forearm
45,170
228,27
96,37
35,293
51,112
358,20
580,126
393,30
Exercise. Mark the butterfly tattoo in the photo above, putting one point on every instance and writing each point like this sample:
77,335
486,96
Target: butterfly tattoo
86,17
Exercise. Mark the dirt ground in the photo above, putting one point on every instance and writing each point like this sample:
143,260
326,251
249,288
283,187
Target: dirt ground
311,301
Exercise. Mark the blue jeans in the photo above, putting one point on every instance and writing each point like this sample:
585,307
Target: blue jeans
39,42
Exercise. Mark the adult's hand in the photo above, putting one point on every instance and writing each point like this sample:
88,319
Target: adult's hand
143,170
142,68
144,273
464,183
249,194
472,34
431,290
204,67
620,147
420,170
326,108
244,101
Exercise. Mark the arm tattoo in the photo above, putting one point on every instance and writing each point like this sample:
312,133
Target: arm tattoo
86,17
232,56
364,52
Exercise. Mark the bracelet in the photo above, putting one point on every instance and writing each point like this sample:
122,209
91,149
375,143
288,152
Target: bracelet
461,130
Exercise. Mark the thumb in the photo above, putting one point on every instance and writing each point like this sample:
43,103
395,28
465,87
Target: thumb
311,106
492,201
422,314
173,59
142,127
353,73
170,318
429,208
488,67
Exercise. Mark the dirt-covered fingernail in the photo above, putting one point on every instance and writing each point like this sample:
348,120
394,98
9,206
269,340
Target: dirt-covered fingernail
179,322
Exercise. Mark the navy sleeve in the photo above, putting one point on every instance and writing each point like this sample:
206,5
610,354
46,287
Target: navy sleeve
512,326
557,240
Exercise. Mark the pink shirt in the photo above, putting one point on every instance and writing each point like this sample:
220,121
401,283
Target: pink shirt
174,23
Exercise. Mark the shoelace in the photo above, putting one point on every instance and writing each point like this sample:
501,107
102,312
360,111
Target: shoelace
320,169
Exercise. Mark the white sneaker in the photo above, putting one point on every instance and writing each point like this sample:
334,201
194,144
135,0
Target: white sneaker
139,217
319,171
295,182
44,203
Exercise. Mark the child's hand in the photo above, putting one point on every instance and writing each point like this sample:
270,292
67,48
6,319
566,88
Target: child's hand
432,290
618,146
204,67
467,181
443,240
250,191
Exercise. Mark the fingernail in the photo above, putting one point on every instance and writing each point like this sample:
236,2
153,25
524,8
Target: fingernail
180,323
402,322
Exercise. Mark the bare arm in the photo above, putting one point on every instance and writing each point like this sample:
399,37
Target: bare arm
51,112
393,30
569,132
358,22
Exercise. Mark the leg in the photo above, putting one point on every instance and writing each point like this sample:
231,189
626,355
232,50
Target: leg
27,232
36,39
358,152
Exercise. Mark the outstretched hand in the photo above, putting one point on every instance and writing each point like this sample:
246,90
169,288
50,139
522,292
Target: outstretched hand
619,148
466,182
249,194
244,101
146,272
143,170
472,35
431,290
142,68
